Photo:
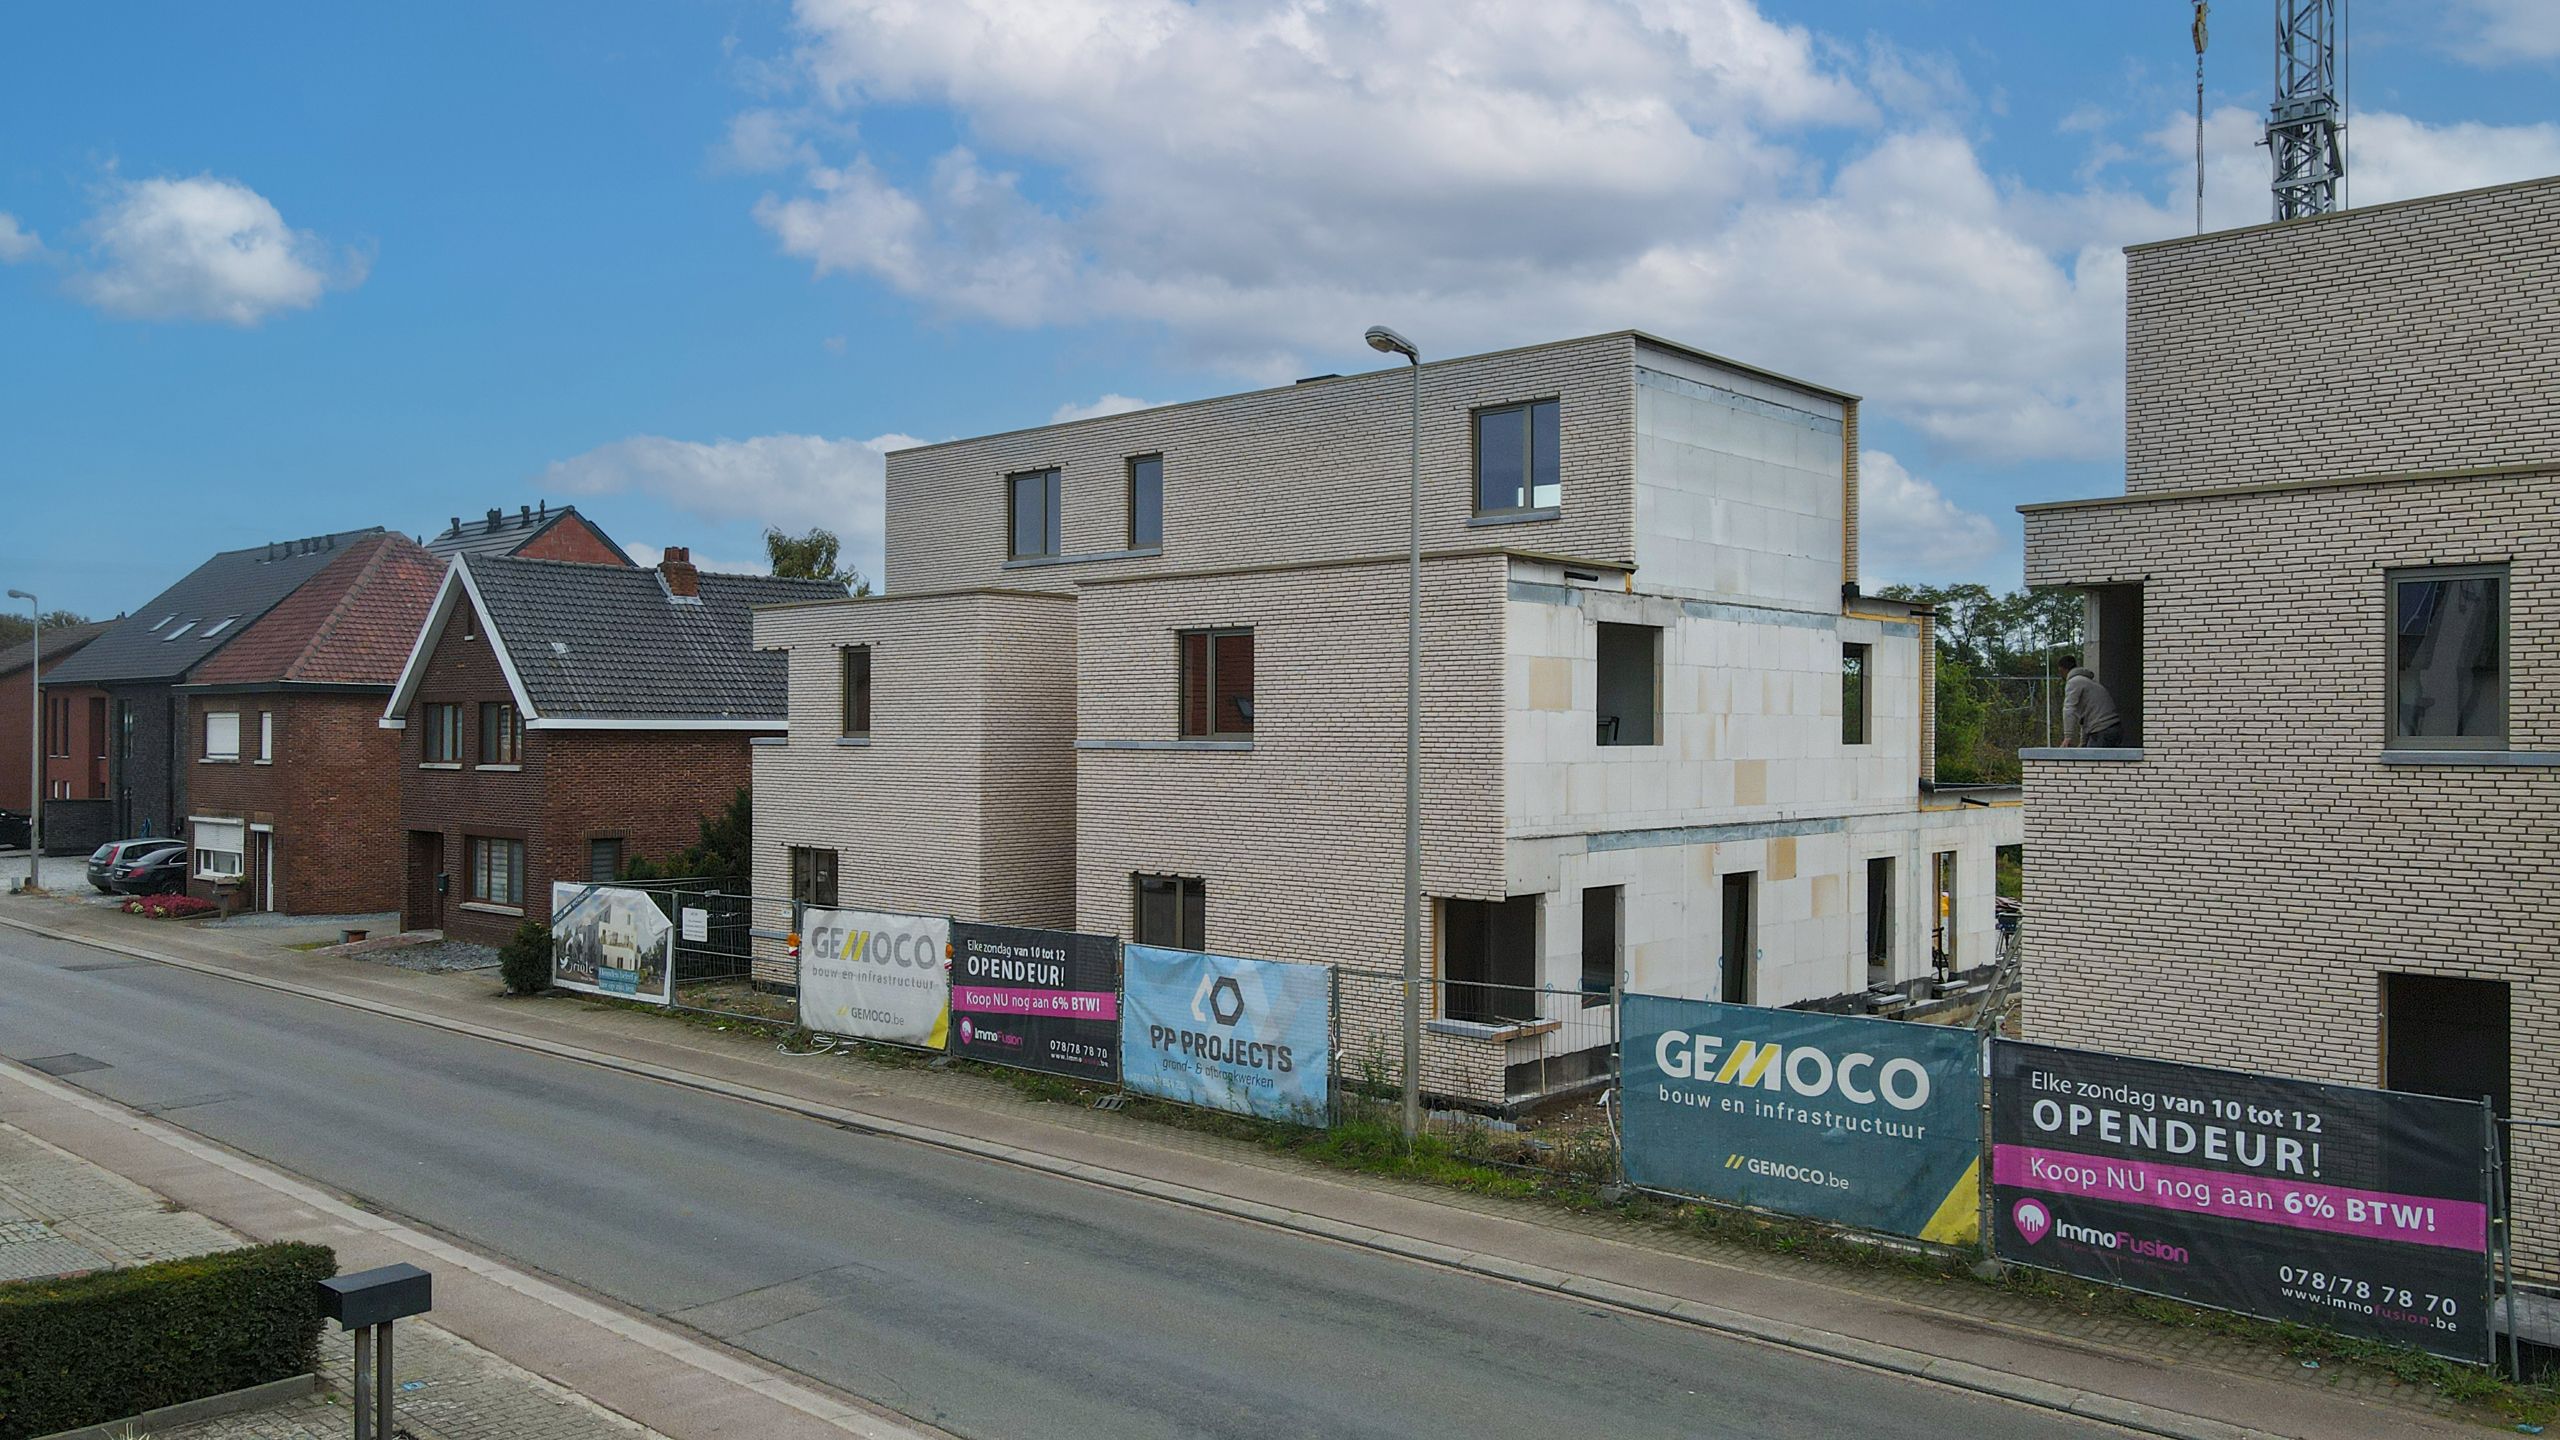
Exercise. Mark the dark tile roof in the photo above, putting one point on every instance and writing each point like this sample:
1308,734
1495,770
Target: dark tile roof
605,642
501,533
351,624
61,642
205,611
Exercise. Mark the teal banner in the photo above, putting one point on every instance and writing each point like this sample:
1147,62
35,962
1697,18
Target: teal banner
1857,1121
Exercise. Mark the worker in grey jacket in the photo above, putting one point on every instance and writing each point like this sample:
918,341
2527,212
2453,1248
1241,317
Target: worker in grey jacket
2088,712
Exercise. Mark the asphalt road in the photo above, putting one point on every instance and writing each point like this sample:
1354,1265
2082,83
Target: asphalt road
981,1298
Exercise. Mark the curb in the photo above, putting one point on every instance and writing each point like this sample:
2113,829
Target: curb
1831,1345
190,1412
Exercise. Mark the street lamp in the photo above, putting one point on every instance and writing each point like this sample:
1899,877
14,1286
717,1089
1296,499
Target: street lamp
35,730
1388,342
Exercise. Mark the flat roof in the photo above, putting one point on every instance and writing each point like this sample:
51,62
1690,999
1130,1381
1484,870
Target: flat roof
2337,216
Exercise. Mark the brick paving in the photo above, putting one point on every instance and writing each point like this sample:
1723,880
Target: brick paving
60,1214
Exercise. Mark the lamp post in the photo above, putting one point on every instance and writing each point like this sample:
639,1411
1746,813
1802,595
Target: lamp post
35,731
1388,342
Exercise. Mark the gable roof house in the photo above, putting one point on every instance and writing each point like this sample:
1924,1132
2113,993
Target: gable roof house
557,719
140,660
291,806
69,736
534,532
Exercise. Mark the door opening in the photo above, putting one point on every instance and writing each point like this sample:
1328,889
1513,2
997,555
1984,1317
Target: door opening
1739,955
1880,920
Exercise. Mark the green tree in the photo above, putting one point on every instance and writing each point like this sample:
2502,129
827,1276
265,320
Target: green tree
14,629
812,556
724,856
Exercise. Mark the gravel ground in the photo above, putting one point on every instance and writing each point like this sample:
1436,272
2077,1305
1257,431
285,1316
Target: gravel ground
436,955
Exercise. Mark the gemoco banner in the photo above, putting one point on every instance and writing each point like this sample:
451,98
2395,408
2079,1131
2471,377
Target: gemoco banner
606,940
1872,1123
1038,999
2361,1211
875,976
1253,1036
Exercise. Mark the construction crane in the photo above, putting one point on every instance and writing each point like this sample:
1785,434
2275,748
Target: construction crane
2305,131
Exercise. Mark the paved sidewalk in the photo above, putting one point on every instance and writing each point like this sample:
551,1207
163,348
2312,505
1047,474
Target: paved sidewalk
1915,1314
65,1214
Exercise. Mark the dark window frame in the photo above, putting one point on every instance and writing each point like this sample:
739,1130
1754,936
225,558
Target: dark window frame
2392,580
1216,723
602,845
1137,540
853,691
501,733
1475,948
1190,910
1857,694
483,870
440,739
807,875
1053,513
1527,493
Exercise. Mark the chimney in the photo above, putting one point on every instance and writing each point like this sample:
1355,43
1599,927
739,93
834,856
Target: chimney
495,515
524,516
675,568
457,526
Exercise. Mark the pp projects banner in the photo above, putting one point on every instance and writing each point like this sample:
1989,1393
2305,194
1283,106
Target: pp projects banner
606,940
1858,1121
1038,999
876,976
1252,1036
2361,1211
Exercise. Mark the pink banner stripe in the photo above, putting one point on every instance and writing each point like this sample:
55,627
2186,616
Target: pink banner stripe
2334,1209
1008,1000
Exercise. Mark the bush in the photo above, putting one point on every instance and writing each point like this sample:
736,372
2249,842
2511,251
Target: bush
169,907
115,1343
525,963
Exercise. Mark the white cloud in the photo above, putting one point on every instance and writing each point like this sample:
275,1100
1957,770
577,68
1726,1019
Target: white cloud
2505,32
647,556
792,481
1106,405
17,242
203,249
2390,157
1909,531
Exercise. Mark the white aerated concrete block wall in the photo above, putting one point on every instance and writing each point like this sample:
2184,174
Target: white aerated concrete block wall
1740,485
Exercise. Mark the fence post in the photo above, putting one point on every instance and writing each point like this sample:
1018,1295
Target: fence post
2502,1227
1615,1097
1333,1043
1983,1145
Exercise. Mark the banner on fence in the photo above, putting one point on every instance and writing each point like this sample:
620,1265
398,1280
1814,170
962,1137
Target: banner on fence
876,976
1036,999
2362,1211
1872,1123
606,940
1253,1036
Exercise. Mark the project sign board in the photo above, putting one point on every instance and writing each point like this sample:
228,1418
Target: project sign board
606,940
2360,1211
1038,999
876,976
1252,1036
1865,1122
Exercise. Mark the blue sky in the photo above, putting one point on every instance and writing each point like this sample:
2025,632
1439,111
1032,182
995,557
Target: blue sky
695,265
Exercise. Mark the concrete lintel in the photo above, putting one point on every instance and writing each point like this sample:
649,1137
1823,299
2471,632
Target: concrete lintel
2541,758
2092,754
1215,745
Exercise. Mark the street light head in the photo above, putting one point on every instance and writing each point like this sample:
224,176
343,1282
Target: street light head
1388,342
20,595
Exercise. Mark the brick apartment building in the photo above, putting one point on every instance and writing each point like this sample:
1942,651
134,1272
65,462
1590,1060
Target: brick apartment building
556,718
73,723
135,666
2328,847
292,805
1149,669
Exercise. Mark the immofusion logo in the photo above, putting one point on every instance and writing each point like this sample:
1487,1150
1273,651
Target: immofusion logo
2032,1219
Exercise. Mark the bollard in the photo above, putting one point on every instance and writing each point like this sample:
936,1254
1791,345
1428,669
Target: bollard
365,1304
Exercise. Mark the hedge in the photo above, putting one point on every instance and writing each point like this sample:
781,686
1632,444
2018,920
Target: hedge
100,1347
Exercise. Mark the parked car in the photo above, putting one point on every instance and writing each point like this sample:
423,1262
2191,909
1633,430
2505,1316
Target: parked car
155,872
104,860
15,832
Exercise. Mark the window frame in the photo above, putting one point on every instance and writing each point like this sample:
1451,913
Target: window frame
853,719
266,737
620,852
1210,636
198,854
1190,910
1660,637
2392,579
1130,471
481,870
1858,721
805,874
440,738
1053,513
1527,494
501,735
210,753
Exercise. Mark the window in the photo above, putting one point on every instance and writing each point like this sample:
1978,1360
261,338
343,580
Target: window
497,871
441,743
2447,1035
853,664
1146,501
1880,920
217,627
1630,687
1942,910
1170,910
813,877
57,726
1854,726
222,735
604,861
2448,658
266,737
181,630
219,845
1518,459
1217,684
1601,905
1489,960
501,734
1738,967
1035,514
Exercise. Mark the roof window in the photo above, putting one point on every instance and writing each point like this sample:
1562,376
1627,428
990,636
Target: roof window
181,630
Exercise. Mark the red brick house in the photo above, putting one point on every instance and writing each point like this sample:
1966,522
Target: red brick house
74,720
534,532
557,718
291,799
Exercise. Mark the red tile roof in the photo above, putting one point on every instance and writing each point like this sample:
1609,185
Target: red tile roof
351,624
